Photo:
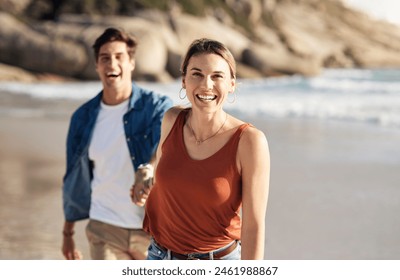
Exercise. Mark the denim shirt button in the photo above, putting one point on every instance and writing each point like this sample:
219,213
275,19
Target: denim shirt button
145,136
125,122
133,158
128,139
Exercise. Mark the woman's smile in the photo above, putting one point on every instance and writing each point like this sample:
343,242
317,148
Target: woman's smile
206,97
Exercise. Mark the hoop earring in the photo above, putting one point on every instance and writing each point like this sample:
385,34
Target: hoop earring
180,95
234,97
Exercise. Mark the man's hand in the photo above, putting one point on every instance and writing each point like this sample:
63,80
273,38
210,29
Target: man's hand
68,249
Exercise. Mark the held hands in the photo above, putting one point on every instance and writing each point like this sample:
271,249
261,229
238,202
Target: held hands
143,183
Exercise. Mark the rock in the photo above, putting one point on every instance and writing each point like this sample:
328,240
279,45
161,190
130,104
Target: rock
189,28
305,38
151,55
252,10
174,64
368,43
274,37
340,38
84,34
11,73
273,60
25,47
246,72
15,7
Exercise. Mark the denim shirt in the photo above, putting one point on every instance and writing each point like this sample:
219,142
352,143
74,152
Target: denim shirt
142,125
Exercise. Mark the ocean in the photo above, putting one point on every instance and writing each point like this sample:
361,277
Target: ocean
347,95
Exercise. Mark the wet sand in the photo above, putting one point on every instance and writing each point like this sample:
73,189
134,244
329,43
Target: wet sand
32,154
334,191
334,186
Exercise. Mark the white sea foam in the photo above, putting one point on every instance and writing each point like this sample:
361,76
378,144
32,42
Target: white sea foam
371,96
69,90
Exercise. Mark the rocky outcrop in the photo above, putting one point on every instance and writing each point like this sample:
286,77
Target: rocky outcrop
11,73
278,37
27,48
338,37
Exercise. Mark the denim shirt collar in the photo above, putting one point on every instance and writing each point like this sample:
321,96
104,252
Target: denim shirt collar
135,102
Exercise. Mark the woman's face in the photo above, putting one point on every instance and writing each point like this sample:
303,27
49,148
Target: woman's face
208,81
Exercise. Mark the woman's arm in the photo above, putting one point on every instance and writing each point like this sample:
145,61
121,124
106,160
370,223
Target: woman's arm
254,165
139,193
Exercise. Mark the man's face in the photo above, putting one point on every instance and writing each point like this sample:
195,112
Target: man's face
114,65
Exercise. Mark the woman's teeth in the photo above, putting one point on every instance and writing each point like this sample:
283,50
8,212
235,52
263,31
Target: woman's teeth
206,97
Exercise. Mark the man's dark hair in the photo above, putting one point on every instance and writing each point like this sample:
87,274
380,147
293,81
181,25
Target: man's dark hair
114,34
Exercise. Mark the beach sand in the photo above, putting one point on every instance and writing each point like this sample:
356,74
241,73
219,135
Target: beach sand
334,190
32,164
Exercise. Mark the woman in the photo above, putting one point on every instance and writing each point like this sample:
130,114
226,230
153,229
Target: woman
209,164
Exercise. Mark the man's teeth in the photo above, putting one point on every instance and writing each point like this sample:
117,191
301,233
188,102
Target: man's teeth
206,97
112,74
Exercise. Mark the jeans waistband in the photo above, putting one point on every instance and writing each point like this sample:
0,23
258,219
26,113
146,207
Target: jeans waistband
213,255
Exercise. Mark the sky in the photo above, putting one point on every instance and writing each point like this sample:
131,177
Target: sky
382,9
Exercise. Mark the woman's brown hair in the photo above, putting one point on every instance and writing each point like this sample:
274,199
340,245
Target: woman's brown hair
204,45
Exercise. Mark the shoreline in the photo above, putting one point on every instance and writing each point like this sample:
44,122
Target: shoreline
333,193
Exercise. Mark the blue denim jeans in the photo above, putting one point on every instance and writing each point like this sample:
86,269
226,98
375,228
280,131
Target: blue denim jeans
155,252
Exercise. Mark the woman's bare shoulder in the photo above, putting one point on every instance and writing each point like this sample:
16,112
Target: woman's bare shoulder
253,149
170,117
251,133
253,138
172,113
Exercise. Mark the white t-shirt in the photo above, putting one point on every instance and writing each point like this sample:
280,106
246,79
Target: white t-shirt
113,174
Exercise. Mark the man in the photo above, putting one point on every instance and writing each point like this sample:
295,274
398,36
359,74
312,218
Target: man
110,137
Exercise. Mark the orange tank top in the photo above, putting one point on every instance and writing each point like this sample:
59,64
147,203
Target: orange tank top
194,205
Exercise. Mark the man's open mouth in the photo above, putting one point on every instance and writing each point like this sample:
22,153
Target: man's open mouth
112,74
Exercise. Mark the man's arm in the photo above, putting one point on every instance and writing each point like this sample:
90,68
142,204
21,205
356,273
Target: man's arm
68,247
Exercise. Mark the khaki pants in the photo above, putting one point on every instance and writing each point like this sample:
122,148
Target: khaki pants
108,242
